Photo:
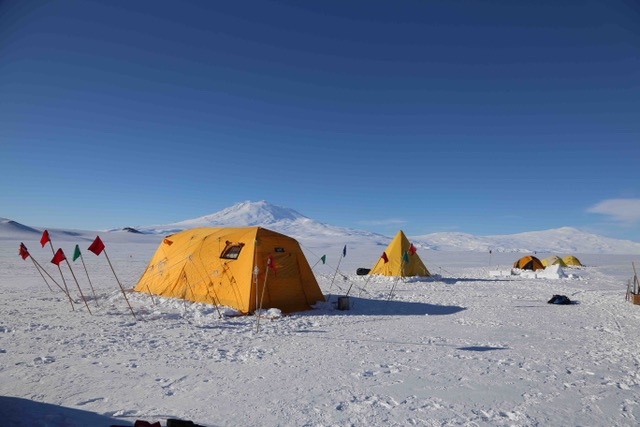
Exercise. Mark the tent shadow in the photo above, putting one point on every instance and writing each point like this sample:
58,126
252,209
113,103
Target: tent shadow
372,307
454,280
481,348
19,412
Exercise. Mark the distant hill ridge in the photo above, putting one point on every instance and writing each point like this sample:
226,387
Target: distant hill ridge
311,232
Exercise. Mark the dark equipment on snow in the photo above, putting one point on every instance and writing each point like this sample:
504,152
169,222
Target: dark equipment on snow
560,299
363,271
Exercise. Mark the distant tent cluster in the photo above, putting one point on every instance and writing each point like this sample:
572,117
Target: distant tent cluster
530,262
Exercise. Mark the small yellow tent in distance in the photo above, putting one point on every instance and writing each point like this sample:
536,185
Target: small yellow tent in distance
572,261
553,260
401,259
216,266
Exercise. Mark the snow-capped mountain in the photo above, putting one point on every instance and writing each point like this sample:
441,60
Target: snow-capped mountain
9,227
276,218
310,232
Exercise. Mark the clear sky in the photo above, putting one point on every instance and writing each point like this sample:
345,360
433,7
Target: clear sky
486,117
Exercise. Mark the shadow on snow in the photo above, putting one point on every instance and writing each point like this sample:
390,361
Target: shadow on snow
374,307
19,412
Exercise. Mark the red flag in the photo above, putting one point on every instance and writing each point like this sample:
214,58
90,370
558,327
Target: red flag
271,264
23,252
58,257
45,238
97,246
384,257
412,249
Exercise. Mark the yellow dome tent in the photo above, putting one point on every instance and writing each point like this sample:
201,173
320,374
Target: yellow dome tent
401,259
553,260
216,266
572,261
528,263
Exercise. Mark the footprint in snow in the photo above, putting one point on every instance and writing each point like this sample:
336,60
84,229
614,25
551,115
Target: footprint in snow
42,360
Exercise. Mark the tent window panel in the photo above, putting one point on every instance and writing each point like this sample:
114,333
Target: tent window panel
232,250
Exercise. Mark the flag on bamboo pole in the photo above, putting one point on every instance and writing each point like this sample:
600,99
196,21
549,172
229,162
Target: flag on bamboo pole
271,264
384,257
323,258
344,251
412,249
76,253
23,252
97,246
405,257
45,238
58,258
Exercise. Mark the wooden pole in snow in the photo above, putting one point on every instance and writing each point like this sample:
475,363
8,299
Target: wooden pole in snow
95,298
264,287
41,269
42,275
64,282
119,284
78,284
344,253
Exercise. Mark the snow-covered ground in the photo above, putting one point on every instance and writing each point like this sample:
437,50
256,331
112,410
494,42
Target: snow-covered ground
460,348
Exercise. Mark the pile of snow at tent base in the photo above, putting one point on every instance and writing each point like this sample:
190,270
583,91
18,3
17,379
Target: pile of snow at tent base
458,348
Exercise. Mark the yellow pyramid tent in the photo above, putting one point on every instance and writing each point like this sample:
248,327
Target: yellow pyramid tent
402,260
573,261
216,266
553,260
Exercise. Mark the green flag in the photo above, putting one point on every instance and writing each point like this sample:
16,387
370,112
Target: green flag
405,258
323,258
76,253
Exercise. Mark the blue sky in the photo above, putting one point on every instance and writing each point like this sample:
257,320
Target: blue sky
491,117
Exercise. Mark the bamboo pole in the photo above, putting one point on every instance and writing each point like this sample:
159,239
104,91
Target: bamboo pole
42,275
78,284
119,284
256,271
150,294
395,282
264,286
40,268
319,259
64,282
95,298
336,272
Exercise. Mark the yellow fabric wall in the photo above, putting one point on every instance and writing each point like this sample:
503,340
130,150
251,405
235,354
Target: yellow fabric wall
188,265
395,266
